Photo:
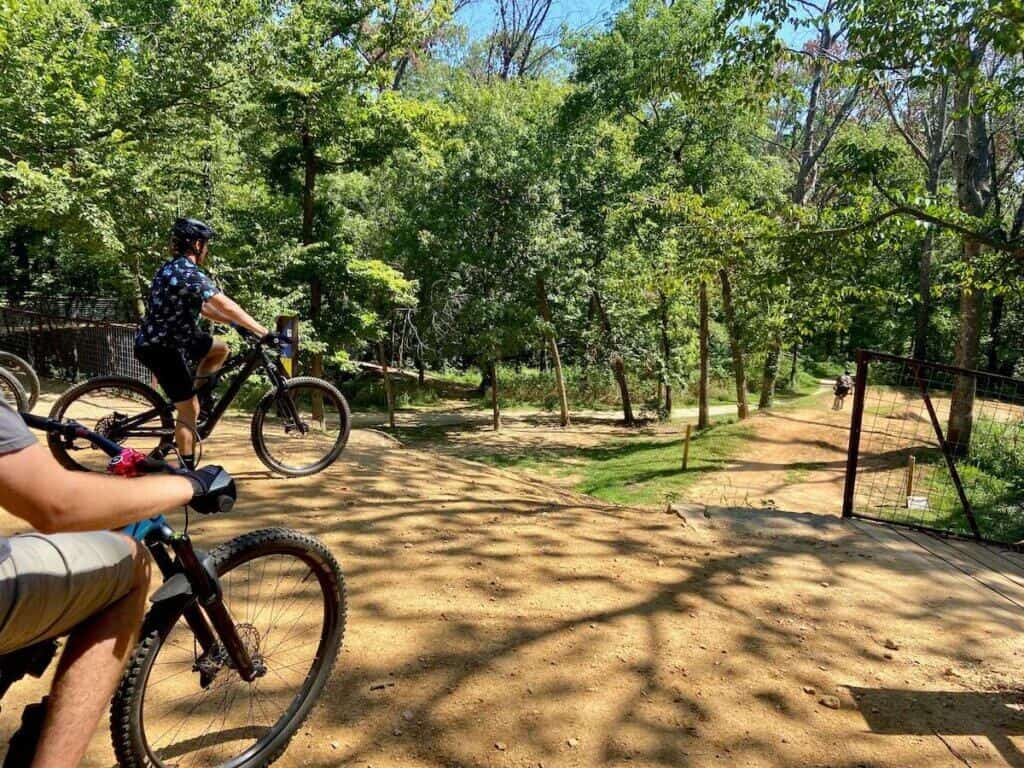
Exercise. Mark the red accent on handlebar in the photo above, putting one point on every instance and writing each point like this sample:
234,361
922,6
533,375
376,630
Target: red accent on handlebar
129,464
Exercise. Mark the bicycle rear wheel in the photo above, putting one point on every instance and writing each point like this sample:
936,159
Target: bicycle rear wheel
315,442
286,594
121,409
25,374
11,391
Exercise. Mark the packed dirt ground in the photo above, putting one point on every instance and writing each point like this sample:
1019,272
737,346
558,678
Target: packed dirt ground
496,619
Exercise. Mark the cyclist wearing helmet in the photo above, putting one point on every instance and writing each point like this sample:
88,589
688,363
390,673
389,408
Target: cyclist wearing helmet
169,339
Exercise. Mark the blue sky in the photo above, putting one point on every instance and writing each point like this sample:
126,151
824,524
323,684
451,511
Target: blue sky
478,16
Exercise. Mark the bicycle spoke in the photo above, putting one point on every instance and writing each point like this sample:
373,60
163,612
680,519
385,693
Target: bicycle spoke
209,726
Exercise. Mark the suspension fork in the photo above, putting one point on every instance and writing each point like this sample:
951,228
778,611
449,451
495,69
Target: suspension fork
209,601
284,399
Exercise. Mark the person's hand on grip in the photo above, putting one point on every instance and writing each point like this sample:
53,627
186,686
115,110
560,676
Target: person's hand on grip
213,489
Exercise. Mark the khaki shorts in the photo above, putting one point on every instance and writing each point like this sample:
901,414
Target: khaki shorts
50,584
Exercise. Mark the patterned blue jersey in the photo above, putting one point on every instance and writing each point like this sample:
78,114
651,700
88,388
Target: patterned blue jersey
179,291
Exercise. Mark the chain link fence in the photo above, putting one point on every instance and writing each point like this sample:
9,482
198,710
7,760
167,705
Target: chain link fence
71,339
938,448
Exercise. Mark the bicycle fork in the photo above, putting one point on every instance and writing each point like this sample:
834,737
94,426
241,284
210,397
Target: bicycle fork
188,575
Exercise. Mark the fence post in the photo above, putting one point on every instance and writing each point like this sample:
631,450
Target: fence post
856,419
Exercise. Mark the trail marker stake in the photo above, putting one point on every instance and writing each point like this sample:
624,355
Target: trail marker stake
686,446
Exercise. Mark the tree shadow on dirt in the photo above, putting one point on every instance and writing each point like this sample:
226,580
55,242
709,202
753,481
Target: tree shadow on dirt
512,627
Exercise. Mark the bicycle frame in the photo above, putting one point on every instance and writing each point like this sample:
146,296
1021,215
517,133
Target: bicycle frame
248,363
188,577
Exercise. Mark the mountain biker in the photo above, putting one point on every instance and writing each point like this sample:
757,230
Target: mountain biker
169,339
72,575
842,387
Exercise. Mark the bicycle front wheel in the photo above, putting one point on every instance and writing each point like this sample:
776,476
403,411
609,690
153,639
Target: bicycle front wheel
305,435
25,374
177,707
121,409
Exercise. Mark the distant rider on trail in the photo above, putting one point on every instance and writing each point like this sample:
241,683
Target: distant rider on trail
842,387
169,339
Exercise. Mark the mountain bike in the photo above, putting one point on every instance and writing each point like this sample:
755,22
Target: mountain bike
233,654
299,427
25,374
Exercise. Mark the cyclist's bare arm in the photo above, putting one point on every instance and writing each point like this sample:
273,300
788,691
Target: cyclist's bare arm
211,314
230,312
53,499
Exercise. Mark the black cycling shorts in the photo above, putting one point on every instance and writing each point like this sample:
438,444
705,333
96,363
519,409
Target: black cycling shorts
171,368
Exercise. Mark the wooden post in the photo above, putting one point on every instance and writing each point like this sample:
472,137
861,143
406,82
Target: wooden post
495,405
389,396
686,446
911,463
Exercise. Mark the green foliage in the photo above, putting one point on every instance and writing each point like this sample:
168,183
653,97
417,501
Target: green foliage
368,176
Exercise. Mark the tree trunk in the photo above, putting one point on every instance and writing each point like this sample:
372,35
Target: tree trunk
421,370
972,169
619,369
485,378
556,359
738,365
666,355
495,407
769,374
315,286
388,393
792,368
208,182
961,404
703,414
924,289
995,332
618,366
22,262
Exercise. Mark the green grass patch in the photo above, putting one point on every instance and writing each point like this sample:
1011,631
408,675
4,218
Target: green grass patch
993,478
641,471
799,471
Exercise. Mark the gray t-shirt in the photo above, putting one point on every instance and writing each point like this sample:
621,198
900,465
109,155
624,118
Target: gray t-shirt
14,436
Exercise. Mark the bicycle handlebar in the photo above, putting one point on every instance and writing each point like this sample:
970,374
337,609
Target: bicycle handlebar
72,429
221,492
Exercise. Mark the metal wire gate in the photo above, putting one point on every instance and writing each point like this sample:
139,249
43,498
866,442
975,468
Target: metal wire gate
938,448
70,346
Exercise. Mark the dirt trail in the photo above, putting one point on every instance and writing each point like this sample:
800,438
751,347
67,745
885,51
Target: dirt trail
796,460
511,625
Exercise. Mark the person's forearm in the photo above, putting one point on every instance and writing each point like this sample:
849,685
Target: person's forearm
235,314
100,502
215,316
34,487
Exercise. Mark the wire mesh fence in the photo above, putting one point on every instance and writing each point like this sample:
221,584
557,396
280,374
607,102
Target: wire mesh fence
937,447
68,346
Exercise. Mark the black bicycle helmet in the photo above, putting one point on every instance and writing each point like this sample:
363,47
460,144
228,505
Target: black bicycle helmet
187,231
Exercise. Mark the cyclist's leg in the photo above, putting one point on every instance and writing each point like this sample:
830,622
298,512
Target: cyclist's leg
170,369
211,362
185,426
93,585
